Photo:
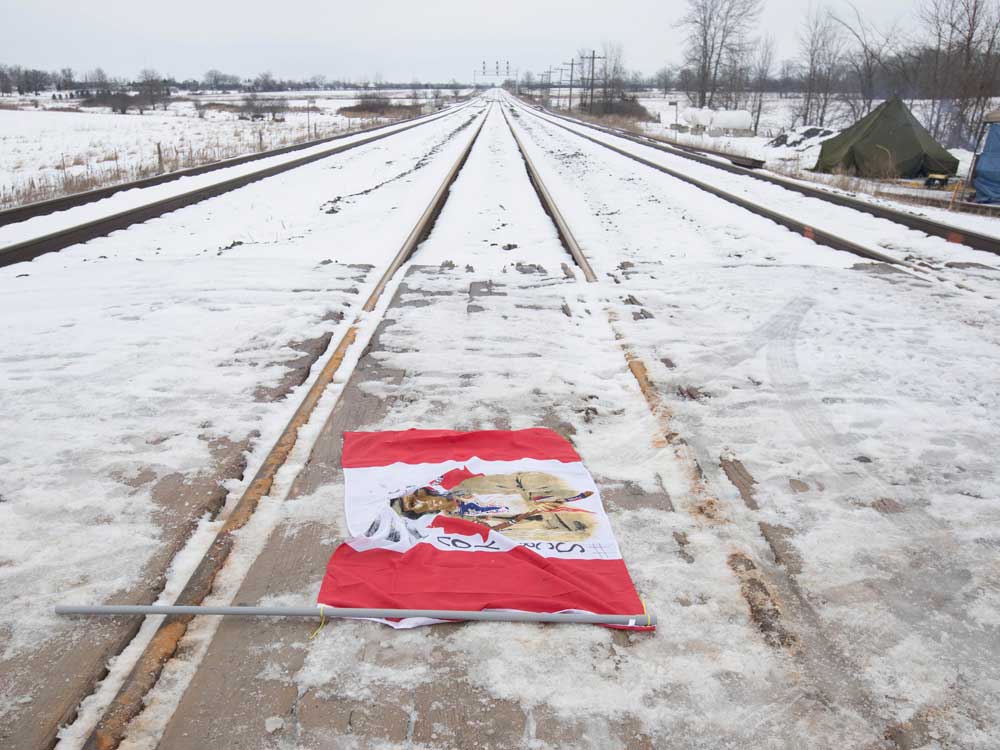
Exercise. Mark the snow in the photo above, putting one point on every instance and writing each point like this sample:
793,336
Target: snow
810,366
273,724
866,230
867,386
129,199
41,147
127,357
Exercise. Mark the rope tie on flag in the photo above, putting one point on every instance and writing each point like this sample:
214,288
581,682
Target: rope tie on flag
322,622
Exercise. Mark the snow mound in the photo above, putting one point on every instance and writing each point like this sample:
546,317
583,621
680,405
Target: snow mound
802,137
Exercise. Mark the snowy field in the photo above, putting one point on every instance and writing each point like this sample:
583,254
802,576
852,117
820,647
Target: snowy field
46,151
809,502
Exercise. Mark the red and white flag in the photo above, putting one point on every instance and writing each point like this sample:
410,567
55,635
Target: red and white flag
493,519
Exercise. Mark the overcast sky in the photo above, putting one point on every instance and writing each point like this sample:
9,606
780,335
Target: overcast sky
400,39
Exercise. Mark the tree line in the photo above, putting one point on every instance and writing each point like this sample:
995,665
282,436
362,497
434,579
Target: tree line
947,62
949,59
32,81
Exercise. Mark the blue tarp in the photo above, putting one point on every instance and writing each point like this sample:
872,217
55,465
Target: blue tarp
986,180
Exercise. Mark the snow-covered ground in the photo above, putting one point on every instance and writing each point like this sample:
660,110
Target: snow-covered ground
46,151
787,150
845,595
861,403
862,228
130,199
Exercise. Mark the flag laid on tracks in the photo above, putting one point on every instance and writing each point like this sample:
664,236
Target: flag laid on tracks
471,521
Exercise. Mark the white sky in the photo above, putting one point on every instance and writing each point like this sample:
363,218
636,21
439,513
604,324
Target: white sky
401,39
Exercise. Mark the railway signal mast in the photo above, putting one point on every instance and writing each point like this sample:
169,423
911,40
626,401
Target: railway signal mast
498,67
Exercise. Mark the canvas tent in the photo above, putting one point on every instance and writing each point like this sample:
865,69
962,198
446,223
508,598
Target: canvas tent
986,177
888,142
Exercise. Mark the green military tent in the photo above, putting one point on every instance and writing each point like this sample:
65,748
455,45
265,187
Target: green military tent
888,142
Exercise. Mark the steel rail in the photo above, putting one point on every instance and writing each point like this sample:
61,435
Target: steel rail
145,673
819,236
948,232
63,238
64,202
644,619
562,227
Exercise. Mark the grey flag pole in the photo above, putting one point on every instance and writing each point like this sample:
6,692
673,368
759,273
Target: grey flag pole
320,611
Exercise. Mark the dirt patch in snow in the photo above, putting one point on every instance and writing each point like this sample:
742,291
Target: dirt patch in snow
764,609
298,368
779,539
741,479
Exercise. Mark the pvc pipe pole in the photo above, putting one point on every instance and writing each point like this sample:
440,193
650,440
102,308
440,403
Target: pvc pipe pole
317,611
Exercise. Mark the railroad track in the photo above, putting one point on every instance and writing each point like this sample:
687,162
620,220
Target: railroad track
948,232
838,685
60,239
957,275
145,673
129,701
62,203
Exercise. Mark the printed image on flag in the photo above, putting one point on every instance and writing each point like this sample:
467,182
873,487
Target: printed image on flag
492,519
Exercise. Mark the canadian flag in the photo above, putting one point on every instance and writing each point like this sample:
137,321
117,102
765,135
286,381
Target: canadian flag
494,519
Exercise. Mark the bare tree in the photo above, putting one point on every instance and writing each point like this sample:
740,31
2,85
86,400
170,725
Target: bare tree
266,82
612,75
735,74
253,107
868,51
664,78
276,106
213,80
714,28
787,78
529,81
763,62
99,81
960,61
30,80
153,88
820,50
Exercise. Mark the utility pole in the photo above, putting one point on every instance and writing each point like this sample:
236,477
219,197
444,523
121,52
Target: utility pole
593,58
572,65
